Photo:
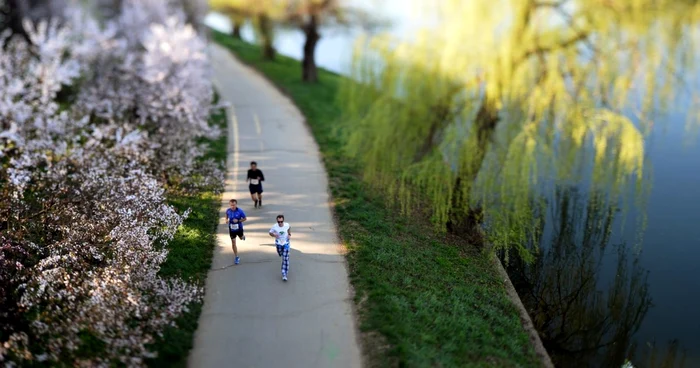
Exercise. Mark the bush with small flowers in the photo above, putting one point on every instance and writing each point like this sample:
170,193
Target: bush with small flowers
83,212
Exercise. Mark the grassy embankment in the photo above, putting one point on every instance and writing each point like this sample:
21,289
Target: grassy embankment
424,299
190,254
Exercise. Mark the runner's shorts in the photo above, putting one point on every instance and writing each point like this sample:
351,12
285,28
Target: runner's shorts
235,233
255,188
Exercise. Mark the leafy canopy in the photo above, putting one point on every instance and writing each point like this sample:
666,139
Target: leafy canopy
493,103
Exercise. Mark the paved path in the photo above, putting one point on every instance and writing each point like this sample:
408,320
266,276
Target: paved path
251,318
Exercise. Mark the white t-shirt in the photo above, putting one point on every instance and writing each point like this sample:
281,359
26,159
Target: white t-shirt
283,231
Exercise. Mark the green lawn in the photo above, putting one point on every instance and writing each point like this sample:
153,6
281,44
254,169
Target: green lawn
424,300
190,254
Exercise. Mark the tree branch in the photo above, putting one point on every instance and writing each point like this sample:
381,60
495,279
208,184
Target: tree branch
549,4
565,44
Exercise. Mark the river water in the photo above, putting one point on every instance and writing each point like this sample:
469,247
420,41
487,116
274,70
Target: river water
597,294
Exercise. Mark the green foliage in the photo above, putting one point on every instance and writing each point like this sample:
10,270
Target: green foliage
499,101
189,256
90,345
424,299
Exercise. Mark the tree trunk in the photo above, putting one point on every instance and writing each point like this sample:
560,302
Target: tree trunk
265,28
486,121
237,23
309,72
268,50
236,33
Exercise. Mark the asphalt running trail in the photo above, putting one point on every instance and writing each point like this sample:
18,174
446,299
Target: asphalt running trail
251,318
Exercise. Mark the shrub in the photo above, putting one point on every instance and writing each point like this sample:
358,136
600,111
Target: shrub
96,121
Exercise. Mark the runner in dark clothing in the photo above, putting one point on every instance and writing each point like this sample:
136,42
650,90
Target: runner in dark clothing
255,179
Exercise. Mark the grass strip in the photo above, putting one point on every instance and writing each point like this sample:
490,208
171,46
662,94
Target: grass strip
424,299
190,254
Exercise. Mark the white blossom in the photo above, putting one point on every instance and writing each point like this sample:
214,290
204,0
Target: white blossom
83,207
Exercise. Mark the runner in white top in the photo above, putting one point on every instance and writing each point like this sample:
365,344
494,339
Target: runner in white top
281,231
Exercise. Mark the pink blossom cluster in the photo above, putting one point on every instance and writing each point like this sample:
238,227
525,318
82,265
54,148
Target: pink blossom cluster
96,120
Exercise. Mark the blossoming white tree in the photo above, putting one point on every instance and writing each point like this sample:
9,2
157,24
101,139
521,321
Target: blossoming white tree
83,216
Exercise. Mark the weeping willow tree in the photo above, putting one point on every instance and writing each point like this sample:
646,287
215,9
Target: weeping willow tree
495,101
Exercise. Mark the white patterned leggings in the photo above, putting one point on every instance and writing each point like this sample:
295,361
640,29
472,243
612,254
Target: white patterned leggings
283,251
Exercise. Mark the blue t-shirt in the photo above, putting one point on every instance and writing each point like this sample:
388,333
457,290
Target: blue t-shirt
238,214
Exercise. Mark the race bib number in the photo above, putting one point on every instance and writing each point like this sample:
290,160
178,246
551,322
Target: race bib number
254,181
233,226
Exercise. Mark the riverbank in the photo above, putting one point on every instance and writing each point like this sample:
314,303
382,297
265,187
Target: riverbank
423,298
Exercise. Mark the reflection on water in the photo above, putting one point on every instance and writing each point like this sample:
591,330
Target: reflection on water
584,318
581,322
663,356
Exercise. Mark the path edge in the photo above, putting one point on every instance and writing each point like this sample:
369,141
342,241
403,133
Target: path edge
364,356
525,319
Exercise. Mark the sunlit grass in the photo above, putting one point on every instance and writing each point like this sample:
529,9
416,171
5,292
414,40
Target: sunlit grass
423,299
189,256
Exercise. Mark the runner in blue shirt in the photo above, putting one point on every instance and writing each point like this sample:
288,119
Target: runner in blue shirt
235,218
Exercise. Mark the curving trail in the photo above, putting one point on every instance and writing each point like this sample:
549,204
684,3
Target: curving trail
251,318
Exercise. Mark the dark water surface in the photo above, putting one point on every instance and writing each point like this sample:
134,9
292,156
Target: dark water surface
609,286
597,294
